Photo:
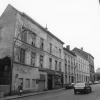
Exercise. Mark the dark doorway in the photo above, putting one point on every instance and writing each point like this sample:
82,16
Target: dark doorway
5,69
49,82
72,79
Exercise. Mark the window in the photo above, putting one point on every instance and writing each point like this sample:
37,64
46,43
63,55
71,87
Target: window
22,55
33,56
60,52
55,64
56,51
41,61
50,63
68,68
27,83
33,39
50,48
59,66
41,43
23,34
65,68
17,54
33,83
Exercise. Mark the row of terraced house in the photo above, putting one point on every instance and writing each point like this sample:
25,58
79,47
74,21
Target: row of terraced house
30,54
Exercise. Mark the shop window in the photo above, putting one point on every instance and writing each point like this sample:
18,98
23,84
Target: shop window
27,83
33,56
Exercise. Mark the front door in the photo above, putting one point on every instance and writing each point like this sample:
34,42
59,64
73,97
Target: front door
49,82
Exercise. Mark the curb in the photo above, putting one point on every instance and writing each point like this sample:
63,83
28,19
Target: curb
29,94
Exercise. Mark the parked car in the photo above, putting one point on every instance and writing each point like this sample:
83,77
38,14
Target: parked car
96,82
68,86
82,88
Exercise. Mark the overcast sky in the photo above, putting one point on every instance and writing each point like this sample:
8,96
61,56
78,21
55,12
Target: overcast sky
75,22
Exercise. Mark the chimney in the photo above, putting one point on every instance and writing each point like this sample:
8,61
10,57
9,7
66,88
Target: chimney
82,48
68,47
46,27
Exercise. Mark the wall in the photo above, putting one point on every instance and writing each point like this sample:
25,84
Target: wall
7,26
24,72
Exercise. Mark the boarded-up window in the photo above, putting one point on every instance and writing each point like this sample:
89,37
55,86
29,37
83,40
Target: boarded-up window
27,83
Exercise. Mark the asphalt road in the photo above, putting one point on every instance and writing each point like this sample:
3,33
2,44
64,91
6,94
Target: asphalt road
66,95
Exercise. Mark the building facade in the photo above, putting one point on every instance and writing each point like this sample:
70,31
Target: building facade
91,67
35,54
90,59
30,54
69,66
82,71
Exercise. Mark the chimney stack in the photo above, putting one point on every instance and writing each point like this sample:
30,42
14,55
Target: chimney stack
68,47
82,48
46,27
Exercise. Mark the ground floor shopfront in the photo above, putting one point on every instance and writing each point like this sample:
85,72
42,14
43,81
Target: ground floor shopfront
32,78
52,80
27,75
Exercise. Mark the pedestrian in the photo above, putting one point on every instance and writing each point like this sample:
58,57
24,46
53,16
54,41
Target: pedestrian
20,89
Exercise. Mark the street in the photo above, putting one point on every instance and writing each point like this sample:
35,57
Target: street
66,95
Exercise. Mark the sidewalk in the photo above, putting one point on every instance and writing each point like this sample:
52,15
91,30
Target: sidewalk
29,94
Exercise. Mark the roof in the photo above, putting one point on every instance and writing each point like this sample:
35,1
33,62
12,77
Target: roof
69,51
33,21
83,53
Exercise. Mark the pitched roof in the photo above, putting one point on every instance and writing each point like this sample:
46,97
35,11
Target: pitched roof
83,53
69,51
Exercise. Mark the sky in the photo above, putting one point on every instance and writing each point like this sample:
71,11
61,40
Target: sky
75,22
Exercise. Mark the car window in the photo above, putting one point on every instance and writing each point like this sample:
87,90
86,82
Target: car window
80,84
